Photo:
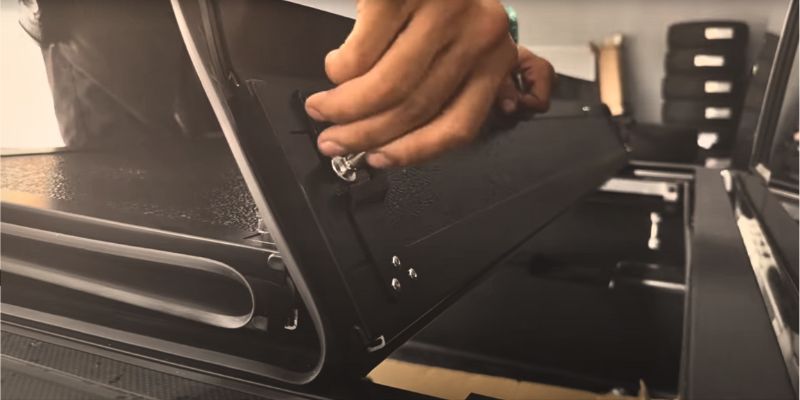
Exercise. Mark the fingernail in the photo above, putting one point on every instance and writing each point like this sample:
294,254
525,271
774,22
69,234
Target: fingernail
379,160
331,148
313,112
509,106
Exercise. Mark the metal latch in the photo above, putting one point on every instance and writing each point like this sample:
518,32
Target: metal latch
654,243
372,345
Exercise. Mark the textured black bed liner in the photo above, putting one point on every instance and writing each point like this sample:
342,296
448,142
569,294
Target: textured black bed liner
191,187
38,369
40,366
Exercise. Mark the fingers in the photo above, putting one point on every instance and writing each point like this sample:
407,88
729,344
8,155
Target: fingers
539,75
424,85
377,25
458,124
392,79
508,96
445,77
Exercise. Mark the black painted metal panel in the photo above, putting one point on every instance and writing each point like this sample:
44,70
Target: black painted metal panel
450,220
731,351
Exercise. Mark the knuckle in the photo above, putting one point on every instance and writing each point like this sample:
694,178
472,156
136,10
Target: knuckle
467,135
416,109
333,72
401,158
551,71
509,53
525,53
353,60
383,89
512,48
349,62
493,24
354,136
402,87
545,65
357,57
459,134
542,65
456,11
397,88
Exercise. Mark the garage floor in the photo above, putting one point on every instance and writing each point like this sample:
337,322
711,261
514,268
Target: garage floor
451,384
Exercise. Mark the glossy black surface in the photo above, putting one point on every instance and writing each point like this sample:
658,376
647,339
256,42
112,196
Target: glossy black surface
767,132
782,229
585,303
754,99
730,349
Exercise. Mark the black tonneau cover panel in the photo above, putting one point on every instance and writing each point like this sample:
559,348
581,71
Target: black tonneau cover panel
351,247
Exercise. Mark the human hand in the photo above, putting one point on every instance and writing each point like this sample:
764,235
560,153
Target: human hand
538,77
415,78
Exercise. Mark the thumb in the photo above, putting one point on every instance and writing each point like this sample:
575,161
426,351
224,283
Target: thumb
507,96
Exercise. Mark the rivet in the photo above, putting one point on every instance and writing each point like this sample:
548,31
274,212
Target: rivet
275,262
396,284
412,273
396,261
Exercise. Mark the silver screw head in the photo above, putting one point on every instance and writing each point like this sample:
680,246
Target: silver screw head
343,169
396,284
396,261
412,273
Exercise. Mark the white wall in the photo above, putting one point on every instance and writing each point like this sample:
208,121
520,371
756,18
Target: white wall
27,118
341,7
644,22
23,85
